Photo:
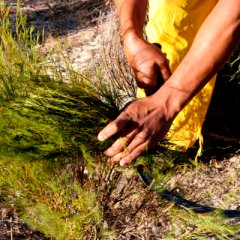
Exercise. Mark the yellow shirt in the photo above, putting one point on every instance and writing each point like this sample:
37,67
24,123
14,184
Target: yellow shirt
174,24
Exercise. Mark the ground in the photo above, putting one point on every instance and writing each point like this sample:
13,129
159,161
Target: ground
138,212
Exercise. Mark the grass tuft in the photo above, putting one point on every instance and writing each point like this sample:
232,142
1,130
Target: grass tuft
49,117
51,167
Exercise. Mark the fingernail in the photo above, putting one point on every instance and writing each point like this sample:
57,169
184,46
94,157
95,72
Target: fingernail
101,138
122,163
106,152
110,152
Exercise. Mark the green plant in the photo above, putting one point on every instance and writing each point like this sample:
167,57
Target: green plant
52,170
49,117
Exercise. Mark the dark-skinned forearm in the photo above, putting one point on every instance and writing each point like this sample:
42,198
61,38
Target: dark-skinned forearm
212,46
132,16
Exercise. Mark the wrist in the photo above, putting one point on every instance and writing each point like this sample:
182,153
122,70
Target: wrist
172,99
130,37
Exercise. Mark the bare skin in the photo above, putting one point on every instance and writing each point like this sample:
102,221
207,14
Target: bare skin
146,60
146,121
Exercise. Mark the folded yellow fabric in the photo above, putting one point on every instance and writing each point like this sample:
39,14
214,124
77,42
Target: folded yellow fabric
174,24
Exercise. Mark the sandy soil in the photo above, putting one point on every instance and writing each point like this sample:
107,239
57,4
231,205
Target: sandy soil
139,215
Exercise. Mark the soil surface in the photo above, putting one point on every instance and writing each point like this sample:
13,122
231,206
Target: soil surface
11,227
139,213
74,22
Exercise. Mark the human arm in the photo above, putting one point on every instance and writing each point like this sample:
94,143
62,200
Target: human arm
146,121
146,60
132,16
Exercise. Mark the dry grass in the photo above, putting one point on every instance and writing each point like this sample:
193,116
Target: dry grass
77,196
135,212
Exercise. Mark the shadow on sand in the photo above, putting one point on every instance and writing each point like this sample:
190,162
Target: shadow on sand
182,202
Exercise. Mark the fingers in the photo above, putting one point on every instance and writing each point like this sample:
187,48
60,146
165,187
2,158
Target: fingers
126,157
139,144
114,127
164,69
134,154
120,144
137,141
148,77
163,65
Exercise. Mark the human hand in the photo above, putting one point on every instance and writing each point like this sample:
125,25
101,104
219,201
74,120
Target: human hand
140,126
147,61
